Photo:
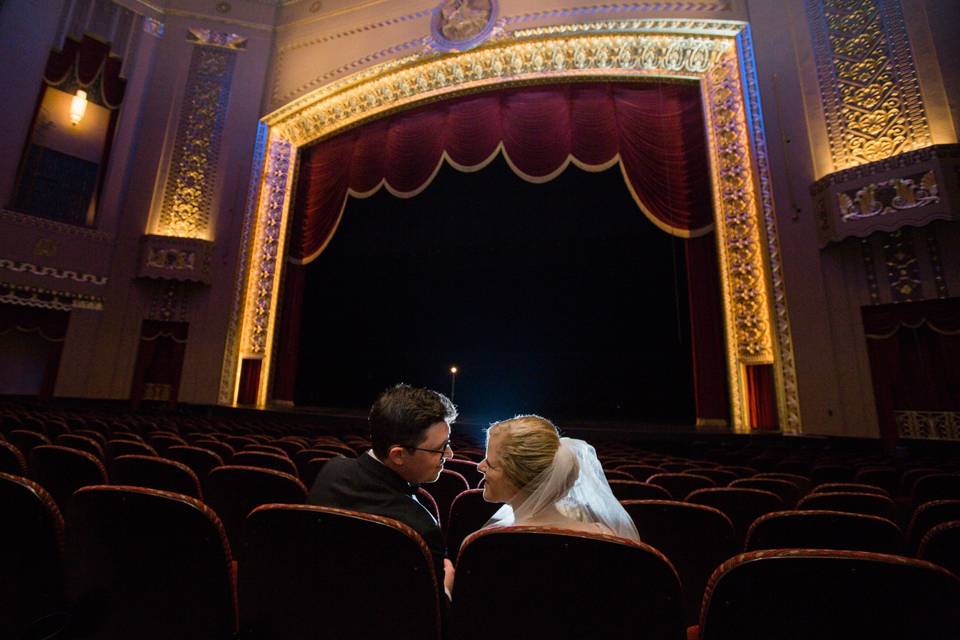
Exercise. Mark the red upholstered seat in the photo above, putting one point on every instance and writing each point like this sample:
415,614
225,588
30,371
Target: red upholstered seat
680,485
824,530
533,582
273,461
616,474
640,472
127,447
81,442
11,460
200,460
466,468
869,504
927,516
427,500
634,490
302,458
468,513
936,486
447,487
31,574
849,487
155,473
695,538
802,594
62,470
162,442
941,545
823,473
740,504
885,477
910,476
802,482
25,440
235,491
317,572
788,491
148,564
266,448
740,470
721,477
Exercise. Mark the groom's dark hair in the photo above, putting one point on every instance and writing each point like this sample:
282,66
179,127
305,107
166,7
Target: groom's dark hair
401,415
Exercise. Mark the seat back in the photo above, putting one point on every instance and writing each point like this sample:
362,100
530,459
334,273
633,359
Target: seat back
81,442
680,485
936,486
799,594
11,460
885,477
234,491
695,538
313,571
542,582
222,449
200,460
803,482
31,574
640,472
468,513
264,460
155,473
466,468
740,504
927,516
635,490
721,477
448,486
147,564
941,545
870,504
25,440
824,473
129,447
62,470
849,487
824,530
616,474
303,457
788,491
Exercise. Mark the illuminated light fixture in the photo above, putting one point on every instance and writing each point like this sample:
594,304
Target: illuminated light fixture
78,107
453,383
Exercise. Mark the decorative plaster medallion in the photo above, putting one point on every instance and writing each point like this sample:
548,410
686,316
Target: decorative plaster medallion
223,7
458,25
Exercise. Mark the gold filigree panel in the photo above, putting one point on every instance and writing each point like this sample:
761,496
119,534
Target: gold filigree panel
186,207
869,85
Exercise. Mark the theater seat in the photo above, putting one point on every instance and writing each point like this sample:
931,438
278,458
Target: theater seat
941,545
149,565
62,470
824,530
316,572
741,504
788,491
927,516
870,504
695,538
11,460
235,491
635,490
936,486
466,468
155,473
448,486
805,594
31,574
468,513
266,461
538,582
200,460
680,485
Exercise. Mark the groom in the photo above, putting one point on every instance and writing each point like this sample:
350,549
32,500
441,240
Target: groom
410,432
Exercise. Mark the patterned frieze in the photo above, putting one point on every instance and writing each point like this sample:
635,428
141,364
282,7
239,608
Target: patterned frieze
52,272
912,189
172,258
44,298
928,425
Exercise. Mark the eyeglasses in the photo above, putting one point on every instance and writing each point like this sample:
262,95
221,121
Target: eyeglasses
441,451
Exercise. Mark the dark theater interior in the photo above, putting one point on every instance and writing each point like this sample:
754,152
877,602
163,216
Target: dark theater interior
460,319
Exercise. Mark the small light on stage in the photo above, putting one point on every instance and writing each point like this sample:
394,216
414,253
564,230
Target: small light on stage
453,370
453,382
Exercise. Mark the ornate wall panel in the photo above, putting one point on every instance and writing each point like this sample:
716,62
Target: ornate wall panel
868,84
191,179
715,53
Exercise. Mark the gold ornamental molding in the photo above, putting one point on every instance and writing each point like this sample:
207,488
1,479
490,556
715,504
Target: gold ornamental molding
716,54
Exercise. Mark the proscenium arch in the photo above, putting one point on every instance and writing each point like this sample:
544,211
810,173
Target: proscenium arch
717,54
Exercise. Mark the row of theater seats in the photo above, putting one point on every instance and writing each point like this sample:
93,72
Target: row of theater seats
143,563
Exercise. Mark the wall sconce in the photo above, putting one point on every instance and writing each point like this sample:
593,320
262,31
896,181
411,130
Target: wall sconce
78,106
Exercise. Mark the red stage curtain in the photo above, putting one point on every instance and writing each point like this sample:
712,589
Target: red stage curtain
50,325
655,131
83,62
914,351
159,359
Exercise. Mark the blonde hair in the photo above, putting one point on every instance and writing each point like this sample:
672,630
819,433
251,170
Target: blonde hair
528,445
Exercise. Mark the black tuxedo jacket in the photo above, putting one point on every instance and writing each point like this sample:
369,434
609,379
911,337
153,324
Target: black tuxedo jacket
364,484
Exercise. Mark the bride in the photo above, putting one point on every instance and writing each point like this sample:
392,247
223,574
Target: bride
544,479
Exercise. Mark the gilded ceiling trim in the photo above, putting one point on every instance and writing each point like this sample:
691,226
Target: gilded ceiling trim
618,51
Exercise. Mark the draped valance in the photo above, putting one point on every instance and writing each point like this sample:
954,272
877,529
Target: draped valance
654,130
82,63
